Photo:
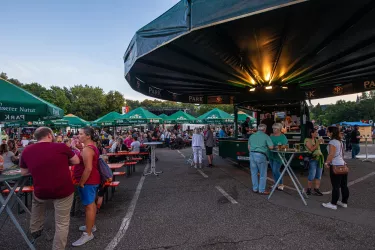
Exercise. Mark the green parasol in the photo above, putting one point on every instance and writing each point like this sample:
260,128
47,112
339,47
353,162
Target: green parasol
107,120
180,117
16,104
75,121
163,116
215,116
138,116
242,117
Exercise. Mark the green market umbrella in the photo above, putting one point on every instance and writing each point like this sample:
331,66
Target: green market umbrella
106,120
138,116
48,123
242,117
16,104
163,116
180,117
75,121
216,116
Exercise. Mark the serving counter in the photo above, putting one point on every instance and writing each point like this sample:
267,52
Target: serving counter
236,149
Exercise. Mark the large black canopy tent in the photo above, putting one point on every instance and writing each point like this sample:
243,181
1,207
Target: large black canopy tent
231,51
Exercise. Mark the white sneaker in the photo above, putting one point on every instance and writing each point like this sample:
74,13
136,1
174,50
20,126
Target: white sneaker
83,240
329,205
195,166
83,229
344,205
280,187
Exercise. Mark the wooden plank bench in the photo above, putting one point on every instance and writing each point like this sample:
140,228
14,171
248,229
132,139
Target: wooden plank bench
26,190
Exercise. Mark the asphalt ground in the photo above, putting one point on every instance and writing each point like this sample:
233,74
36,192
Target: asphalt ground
215,209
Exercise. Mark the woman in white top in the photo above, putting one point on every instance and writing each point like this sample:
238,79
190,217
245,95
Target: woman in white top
336,158
197,144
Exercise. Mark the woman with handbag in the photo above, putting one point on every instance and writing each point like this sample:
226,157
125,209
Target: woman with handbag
338,171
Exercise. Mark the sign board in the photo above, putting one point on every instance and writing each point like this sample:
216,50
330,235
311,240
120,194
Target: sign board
243,158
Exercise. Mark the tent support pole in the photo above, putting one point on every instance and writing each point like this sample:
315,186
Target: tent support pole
235,121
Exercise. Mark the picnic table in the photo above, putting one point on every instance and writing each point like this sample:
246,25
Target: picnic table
6,177
122,153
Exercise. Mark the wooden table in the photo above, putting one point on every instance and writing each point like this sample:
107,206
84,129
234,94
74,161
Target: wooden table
123,153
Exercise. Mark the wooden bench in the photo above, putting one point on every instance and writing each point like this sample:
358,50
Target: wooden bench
113,186
25,192
118,174
25,189
130,166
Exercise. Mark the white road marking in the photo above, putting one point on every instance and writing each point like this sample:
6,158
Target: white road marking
129,214
286,187
203,174
226,195
181,153
355,181
268,178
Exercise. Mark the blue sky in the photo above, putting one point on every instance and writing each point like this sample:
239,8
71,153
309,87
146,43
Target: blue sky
70,42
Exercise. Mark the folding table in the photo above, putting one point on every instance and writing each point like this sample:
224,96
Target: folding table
287,168
5,177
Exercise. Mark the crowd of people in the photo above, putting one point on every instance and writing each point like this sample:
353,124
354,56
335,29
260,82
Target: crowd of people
260,144
75,167
81,150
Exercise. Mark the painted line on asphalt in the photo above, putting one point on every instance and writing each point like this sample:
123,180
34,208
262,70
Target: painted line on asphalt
286,187
203,174
355,181
268,178
181,153
226,195
129,214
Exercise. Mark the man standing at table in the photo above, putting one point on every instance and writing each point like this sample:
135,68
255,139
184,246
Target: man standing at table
355,139
268,121
210,143
48,163
258,145
245,128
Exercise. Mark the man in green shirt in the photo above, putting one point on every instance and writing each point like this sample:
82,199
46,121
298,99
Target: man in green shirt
259,145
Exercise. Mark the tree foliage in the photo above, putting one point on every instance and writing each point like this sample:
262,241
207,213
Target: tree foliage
91,103
363,109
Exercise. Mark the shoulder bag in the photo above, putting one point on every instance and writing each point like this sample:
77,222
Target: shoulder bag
341,170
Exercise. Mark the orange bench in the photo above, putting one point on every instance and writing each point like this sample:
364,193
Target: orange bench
112,184
25,189
130,165
118,174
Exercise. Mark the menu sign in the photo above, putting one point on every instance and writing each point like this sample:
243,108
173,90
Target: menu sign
220,99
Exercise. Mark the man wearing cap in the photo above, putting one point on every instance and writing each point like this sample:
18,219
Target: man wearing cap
354,139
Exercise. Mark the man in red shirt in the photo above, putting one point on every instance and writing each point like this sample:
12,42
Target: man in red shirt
48,163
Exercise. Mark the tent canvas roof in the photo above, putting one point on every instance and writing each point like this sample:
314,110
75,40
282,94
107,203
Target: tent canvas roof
217,50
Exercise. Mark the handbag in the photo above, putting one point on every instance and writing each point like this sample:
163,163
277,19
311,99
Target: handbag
341,170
